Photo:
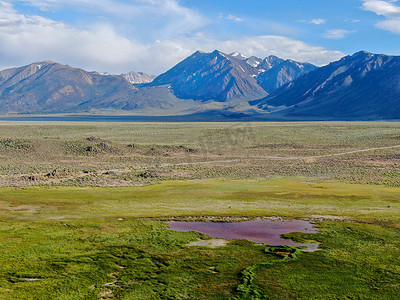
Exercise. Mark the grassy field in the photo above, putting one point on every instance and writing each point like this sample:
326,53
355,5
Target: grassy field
130,154
83,209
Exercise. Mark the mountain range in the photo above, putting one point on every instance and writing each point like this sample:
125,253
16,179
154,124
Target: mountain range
49,87
361,86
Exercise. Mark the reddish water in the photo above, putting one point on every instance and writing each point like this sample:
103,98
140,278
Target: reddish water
260,231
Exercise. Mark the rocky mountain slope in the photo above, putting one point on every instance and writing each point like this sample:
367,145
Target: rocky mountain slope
212,76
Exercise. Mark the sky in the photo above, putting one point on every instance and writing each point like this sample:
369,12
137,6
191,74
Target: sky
119,36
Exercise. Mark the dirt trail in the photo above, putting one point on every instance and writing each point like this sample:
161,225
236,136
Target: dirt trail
271,157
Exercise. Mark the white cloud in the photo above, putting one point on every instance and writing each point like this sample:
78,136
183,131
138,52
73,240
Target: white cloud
234,18
151,17
28,38
392,25
317,21
350,20
231,17
337,34
387,9
383,8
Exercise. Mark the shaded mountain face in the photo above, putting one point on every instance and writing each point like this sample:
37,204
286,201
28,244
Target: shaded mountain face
275,72
138,77
361,86
212,76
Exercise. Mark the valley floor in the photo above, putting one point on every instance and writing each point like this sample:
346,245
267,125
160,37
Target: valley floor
83,209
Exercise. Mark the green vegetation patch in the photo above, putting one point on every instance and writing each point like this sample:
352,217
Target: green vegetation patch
141,259
356,261
83,260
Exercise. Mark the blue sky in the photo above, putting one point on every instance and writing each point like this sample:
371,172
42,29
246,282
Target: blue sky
152,35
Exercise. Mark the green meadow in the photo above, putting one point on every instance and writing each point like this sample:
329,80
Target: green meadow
291,198
84,209
92,243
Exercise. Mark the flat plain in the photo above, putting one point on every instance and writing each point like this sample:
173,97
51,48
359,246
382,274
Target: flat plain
83,209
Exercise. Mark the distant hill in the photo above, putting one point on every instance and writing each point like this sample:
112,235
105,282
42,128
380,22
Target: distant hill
361,86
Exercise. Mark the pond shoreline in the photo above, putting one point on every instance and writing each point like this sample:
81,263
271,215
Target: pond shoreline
268,232
315,219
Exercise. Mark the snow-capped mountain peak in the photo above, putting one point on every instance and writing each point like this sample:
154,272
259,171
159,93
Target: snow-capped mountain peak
138,77
238,55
